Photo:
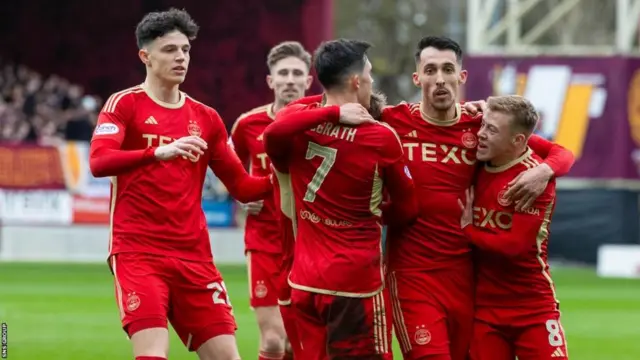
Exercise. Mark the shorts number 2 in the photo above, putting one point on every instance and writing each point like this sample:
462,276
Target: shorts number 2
555,337
219,296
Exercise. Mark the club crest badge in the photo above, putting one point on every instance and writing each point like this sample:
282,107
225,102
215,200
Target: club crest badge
469,140
194,128
502,199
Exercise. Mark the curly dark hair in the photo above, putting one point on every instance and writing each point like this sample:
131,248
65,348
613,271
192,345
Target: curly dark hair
159,23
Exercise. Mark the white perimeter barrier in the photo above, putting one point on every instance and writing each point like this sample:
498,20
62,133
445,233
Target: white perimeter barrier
79,243
621,261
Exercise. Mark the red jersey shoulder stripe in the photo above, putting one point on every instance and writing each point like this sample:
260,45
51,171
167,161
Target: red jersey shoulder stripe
260,109
111,104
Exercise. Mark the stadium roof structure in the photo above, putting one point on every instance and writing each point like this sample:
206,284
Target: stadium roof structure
553,27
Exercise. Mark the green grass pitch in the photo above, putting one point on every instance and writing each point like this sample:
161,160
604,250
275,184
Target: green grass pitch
68,312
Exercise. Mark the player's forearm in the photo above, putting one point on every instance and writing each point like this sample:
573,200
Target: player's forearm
106,159
402,208
243,187
295,122
307,100
559,159
523,234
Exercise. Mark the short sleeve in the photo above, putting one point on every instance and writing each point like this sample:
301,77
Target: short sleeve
114,117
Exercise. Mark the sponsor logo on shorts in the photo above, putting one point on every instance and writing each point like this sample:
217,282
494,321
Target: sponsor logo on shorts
106,129
423,336
133,301
469,140
260,290
502,199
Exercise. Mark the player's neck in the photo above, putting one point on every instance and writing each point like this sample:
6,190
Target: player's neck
168,93
340,98
507,157
438,115
277,106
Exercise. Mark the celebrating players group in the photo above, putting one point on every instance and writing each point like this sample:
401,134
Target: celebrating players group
462,192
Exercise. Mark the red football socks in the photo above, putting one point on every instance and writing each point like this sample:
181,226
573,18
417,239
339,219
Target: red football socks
264,355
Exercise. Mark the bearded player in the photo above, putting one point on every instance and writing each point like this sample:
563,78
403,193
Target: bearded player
517,312
431,278
156,143
337,174
289,78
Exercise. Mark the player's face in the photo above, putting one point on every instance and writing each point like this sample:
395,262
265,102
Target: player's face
167,57
289,79
495,137
364,85
439,75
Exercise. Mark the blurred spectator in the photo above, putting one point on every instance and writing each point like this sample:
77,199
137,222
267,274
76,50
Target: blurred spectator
43,111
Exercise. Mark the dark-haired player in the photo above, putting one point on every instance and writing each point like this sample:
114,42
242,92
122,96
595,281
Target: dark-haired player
156,143
337,173
516,307
289,65
431,278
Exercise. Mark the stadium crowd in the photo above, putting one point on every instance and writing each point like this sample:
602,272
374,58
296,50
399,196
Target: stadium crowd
44,110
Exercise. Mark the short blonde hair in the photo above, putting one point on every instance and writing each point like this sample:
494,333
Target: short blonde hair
522,110
288,49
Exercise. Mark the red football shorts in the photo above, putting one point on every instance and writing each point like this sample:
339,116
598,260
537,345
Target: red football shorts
542,341
264,276
151,289
433,312
291,328
337,327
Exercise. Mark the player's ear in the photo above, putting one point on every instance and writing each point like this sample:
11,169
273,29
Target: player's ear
309,82
355,81
270,81
463,76
143,54
416,79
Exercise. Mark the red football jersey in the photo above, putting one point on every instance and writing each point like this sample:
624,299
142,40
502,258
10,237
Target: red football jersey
512,268
156,205
262,231
442,159
337,174
441,155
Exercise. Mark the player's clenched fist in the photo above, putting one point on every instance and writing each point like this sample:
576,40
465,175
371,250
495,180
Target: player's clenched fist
354,114
189,146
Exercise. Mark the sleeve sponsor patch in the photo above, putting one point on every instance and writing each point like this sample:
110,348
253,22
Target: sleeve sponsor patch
107,129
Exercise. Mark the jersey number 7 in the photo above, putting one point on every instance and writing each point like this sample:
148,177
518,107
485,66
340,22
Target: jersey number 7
328,156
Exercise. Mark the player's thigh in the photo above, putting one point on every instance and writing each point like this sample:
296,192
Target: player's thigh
221,347
310,326
142,294
488,343
263,274
456,293
291,329
151,342
542,341
359,328
420,322
200,306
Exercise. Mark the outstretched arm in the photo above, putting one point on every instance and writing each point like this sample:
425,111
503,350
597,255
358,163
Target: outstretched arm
559,159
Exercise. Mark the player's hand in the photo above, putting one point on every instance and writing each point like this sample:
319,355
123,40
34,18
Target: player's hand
188,146
473,107
525,188
467,208
253,208
354,114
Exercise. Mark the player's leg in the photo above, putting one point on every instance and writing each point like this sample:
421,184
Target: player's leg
311,329
263,278
292,346
457,294
359,328
143,297
418,320
544,341
201,311
488,343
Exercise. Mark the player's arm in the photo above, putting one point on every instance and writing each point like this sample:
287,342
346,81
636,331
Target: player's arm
228,168
290,121
402,207
307,100
106,158
522,235
559,159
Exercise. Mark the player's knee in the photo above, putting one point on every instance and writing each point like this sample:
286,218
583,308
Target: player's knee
273,341
151,342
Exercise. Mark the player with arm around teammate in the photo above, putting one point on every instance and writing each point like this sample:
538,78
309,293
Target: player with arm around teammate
156,142
517,312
